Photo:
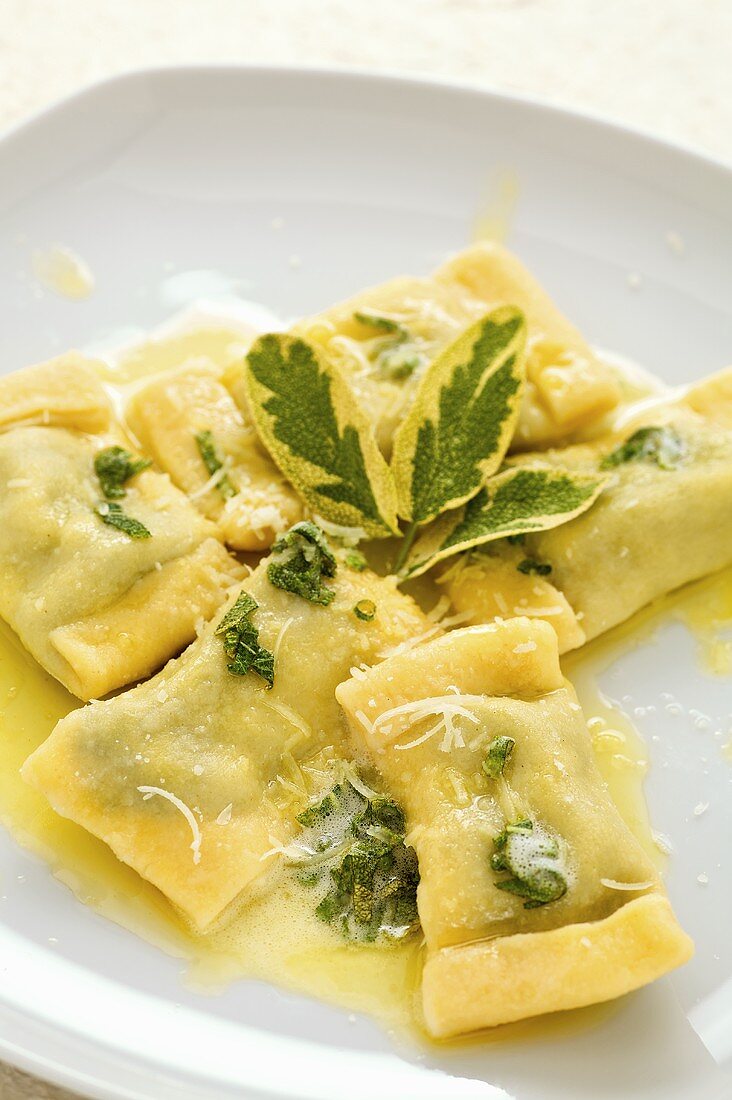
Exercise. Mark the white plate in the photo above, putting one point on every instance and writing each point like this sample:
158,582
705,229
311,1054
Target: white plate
372,176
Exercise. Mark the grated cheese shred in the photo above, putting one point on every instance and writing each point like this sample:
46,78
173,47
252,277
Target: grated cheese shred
282,631
613,884
446,708
148,792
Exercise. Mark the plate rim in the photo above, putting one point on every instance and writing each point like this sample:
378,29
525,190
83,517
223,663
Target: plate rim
27,1019
366,75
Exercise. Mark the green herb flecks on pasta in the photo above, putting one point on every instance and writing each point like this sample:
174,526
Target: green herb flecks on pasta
113,515
355,560
313,427
300,560
664,446
353,848
464,414
497,756
533,859
380,323
531,565
518,500
114,466
213,463
398,355
241,641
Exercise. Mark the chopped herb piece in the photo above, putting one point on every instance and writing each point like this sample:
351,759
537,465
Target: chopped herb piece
320,810
399,361
664,446
369,882
365,610
355,560
113,516
499,753
529,854
516,540
380,323
301,557
530,565
114,466
241,641
212,462
398,357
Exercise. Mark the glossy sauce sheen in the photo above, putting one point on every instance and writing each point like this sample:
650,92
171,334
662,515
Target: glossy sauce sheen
277,937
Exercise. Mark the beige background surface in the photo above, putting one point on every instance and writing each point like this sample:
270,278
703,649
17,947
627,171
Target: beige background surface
662,65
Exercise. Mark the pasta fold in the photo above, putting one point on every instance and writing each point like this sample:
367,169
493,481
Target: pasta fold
385,337
662,522
184,418
95,606
65,391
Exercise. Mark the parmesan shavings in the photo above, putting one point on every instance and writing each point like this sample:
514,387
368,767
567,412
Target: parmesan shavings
446,708
349,536
349,774
613,884
212,482
501,603
440,609
364,720
225,816
301,853
536,612
289,715
283,630
663,843
266,517
410,643
148,792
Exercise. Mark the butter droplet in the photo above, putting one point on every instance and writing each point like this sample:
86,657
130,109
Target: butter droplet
63,271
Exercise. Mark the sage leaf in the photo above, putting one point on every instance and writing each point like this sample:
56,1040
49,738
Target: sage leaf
312,425
518,500
464,414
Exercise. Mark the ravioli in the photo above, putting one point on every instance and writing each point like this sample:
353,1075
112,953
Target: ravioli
189,423
180,774
712,398
656,527
568,387
534,895
384,338
65,391
489,585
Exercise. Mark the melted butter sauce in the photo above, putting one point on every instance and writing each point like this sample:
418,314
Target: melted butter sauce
62,270
276,937
497,209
